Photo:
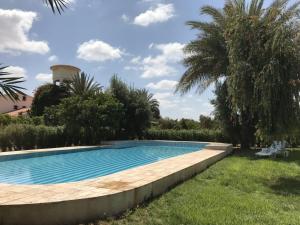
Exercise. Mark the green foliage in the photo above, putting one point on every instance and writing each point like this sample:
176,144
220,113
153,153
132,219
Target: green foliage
186,135
6,120
139,107
166,123
255,50
205,122
263,53
47,95
224,113
82,84
88,119
27,136
154,103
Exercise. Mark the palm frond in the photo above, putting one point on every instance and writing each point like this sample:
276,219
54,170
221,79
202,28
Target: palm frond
216,14
83,84
8,85
57,5
256,7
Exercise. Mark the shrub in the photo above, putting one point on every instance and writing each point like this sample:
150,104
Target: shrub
87,119
48,95
139,107
6,120
187,135
26,136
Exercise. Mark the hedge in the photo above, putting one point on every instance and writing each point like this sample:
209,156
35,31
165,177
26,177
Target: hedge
26,136
187,135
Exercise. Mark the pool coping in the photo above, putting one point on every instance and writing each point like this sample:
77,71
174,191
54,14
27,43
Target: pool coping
103,196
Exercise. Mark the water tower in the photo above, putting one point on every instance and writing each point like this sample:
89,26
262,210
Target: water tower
63,73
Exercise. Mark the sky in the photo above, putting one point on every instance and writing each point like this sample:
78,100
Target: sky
140,40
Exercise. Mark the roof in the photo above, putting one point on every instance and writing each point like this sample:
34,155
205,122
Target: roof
66,66
18,112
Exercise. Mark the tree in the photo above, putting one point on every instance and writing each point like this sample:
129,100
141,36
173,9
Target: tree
138,105
47,95
207,57
87,119
262,62
167,123
207,122
82,84
154,103
255,50
8,85
228,119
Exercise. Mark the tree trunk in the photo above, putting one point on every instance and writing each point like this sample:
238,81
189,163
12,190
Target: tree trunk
247,130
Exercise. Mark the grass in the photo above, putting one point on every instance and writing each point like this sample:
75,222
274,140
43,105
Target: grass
238,190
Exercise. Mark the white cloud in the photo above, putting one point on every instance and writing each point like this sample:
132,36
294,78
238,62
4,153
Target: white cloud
162,95
136,60
16,71
44,77
165,100
163,85
125,18
98,51
186,109
162,64
161,13
53,58
15,26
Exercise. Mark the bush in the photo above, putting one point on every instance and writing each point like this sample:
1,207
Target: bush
187,135
26,136
47,95
87,119
6,120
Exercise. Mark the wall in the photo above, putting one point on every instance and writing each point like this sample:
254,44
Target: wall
7,105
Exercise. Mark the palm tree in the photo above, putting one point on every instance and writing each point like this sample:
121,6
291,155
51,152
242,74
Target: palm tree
82,84
8,85
226,49
154,103
57,5
207,58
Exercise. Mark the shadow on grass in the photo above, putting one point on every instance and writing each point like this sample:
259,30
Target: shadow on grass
287,185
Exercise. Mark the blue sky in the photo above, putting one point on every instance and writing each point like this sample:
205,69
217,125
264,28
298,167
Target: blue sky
140,40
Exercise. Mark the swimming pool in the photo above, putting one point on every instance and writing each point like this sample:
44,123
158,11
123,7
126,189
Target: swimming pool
77,165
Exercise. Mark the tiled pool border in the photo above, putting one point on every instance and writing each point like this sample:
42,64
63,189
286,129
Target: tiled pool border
73,203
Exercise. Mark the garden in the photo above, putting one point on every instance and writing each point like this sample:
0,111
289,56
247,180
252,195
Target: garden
250,53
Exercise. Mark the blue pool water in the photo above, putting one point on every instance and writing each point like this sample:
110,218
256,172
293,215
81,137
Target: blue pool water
61,167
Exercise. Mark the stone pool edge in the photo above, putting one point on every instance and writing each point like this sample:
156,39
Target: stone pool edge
73,203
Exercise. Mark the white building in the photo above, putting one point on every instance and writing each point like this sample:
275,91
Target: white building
21,106
60,73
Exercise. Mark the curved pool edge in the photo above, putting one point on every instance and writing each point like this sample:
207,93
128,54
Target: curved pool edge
83,201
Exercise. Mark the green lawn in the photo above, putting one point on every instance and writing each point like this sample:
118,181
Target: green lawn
238,190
